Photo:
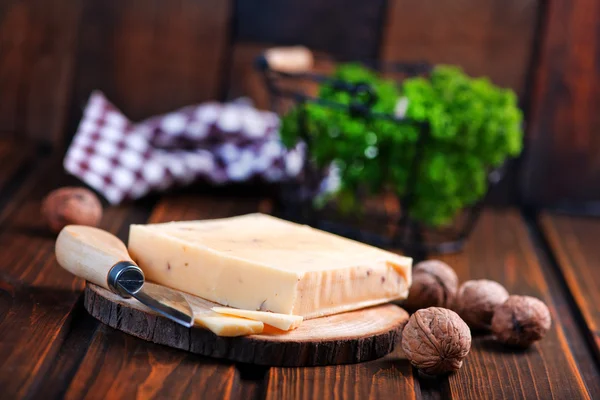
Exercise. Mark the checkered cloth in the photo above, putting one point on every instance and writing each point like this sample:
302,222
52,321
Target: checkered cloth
211,142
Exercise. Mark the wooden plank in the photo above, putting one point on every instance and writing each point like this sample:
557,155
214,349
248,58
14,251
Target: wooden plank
387,378
13,157
562,164
350,29
37,297
500,249
152,57
120,366
39,40
486,37
68,357
581,344
574,241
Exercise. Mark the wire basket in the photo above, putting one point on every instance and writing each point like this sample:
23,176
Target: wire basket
386,223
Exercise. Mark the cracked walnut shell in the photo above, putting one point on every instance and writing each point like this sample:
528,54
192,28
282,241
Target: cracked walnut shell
434,284
476,301
520,321
436,340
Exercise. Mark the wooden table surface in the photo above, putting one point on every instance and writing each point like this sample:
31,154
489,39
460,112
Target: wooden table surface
51,348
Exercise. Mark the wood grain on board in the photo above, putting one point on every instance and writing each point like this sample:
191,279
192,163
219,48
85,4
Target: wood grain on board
37,297
500,249
488,37
152,57
574,241
38,41
346,338
563,160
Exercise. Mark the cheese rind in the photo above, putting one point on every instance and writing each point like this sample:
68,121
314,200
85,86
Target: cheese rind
280,321
225,325
258,262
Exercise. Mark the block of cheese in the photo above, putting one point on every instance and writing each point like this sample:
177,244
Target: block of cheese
226,325
259,262
285,322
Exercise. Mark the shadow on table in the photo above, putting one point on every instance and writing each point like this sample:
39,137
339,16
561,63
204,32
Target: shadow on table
489,344
36,231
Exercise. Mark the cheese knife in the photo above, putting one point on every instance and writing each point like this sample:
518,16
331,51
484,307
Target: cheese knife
102,258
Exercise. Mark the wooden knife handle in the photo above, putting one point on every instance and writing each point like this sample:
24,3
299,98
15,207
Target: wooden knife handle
91,253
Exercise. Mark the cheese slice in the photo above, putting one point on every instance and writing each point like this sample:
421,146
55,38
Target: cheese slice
258,262
225,325
280,321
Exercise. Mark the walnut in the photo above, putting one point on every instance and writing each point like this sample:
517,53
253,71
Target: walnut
436,340
434,284
520,321
71,205
476,301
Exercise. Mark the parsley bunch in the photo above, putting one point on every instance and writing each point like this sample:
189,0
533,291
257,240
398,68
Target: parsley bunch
474,126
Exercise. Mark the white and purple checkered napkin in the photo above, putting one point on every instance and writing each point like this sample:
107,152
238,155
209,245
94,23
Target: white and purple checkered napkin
211,142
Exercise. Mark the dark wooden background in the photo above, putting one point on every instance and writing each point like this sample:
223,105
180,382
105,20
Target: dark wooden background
151,56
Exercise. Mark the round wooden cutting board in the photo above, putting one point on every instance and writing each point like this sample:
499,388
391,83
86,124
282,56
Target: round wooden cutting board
346,338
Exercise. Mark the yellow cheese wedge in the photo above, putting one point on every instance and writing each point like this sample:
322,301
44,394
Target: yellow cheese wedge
225,325
280,321
258,262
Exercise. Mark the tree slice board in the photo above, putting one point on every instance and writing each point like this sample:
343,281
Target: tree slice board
346,338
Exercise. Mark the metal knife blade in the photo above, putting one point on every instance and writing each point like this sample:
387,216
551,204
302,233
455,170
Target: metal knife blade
165,301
